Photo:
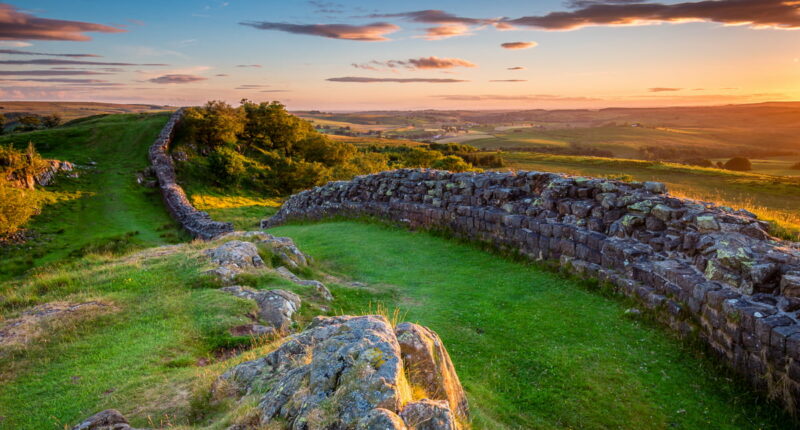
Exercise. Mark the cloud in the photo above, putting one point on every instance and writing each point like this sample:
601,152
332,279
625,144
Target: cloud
445,31
274,91
519,45
423,63
18,52
326,7
256,66
49,72
102,69
366,33
11,44
54,62
359,79
250,86
18,25
516,68
508,80
778,14
222,75
663,89
500,97
176,79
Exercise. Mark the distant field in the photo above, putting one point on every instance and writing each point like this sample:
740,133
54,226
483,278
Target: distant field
73,110
366,141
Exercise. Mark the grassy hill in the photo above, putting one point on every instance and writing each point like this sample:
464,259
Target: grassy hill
533,348
102,209
73,110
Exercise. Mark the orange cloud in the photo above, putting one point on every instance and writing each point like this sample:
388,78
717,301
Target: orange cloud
416,64
663,89
519,45
365,80
16,25
445,31
366,33
781,14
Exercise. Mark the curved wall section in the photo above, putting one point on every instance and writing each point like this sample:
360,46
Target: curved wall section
707,271
198,223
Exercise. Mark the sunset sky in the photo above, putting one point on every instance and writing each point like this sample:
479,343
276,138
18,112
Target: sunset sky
358,55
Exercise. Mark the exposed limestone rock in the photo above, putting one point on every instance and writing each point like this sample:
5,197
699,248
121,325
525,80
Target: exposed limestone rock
341,372
276,307
285,249
429,366
429,415
241,255
322,291
109,419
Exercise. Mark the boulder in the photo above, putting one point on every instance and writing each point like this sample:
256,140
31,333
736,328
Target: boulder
430,367
429,415
341,372
236,254
275,307
285,249
110,419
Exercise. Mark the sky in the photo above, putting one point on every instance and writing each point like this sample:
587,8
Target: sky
389,55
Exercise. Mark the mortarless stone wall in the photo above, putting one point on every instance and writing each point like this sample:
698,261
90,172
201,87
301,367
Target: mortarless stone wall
706,271
197,223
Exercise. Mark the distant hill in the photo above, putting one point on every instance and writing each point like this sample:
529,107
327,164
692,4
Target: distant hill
73,110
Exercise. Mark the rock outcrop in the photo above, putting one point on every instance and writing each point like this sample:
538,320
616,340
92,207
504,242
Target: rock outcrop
343,372
702,269
198,223
110,419
275,307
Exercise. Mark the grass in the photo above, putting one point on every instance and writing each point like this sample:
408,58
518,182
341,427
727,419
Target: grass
244,209
773,198
533,349
105,203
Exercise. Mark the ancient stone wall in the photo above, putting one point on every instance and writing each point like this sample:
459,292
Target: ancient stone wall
706,271
197,223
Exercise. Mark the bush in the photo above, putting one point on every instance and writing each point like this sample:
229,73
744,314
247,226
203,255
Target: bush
452,163
702,162
739,164
230,166
17,206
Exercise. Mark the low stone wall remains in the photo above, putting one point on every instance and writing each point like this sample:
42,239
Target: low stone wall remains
198,223
707,271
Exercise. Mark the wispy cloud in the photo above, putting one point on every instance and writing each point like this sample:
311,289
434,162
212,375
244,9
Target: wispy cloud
779,14
663,89
519,45
374,32
508,80
19,52
250,86
245,66
516,68
448,24
49,72
177,79
58,80
19,25
53,62
423,63
360,79
502,97
274,91
446,31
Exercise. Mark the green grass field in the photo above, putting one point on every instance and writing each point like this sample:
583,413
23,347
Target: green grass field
105,203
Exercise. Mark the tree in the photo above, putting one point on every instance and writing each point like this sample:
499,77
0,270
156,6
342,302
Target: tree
29,122
17,206
740,164
214,124
2,123
52,120
269,126
452,163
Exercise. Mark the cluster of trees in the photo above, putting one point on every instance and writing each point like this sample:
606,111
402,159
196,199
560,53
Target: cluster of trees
32,122
17,204
264,147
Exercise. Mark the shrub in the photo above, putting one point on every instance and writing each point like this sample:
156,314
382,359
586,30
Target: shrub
702,162
53,120
29,122
452,163
230,166
17,206
739,164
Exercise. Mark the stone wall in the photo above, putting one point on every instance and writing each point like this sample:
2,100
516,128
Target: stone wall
706,271
197,223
